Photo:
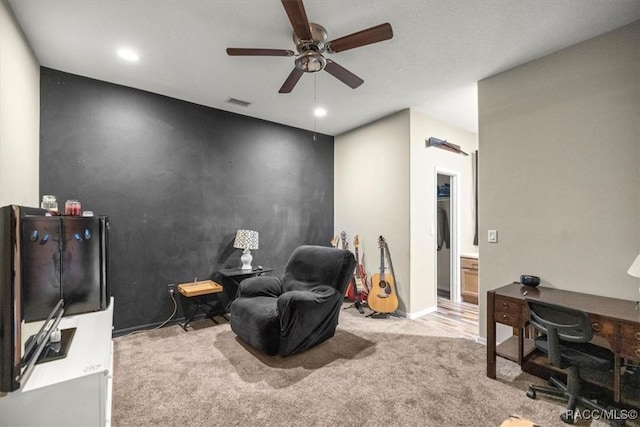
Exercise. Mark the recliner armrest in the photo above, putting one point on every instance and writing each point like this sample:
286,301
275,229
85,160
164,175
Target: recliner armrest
307,317
318,294
294,304
260,286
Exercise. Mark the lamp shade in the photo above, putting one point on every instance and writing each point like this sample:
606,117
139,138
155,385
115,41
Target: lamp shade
246,239
634,270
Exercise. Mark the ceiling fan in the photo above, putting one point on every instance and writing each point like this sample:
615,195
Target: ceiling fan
311,43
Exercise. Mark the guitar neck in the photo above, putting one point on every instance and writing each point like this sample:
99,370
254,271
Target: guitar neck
382,263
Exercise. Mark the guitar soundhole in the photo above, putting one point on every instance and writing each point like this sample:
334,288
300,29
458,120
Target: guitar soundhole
386,288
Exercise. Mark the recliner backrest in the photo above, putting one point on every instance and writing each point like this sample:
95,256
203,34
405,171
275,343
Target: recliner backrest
310,266
559,323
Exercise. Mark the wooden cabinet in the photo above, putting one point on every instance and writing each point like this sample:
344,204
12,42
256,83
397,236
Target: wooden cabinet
469,279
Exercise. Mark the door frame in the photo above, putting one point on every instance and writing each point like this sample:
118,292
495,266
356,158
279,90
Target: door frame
454,233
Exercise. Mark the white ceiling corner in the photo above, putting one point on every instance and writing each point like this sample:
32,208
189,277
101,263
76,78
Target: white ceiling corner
439,51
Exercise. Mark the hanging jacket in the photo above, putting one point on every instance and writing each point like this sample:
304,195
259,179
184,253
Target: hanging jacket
443,228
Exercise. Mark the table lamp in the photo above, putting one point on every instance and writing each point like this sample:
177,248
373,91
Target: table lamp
246,240
634,271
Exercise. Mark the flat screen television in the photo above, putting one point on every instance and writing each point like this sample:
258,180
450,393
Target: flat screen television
16,359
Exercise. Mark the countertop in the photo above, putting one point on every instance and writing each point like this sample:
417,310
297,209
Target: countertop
469,254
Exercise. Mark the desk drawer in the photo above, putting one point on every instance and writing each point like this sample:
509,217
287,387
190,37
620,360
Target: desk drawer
629,343
508,318
508,305
507,311
603,327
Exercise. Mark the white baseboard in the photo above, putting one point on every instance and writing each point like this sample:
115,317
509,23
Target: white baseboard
420,313
481,340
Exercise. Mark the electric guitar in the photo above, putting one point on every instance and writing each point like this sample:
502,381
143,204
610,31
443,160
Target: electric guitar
349,293
382,297
361,275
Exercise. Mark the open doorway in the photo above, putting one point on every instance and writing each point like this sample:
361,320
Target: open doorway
447,262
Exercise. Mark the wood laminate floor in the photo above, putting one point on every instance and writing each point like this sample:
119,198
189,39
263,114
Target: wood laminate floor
458,318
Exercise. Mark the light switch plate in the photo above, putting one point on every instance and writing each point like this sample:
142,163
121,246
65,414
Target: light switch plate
492,236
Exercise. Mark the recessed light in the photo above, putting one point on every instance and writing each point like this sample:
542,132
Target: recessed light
320,112
128,55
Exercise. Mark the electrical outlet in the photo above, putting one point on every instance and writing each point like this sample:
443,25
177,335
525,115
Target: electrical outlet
171,288
492,236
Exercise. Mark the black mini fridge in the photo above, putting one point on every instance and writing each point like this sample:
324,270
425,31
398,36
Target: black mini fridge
64,256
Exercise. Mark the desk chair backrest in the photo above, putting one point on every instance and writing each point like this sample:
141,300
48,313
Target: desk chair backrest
559,323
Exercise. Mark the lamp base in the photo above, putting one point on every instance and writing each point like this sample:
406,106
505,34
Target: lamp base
246,259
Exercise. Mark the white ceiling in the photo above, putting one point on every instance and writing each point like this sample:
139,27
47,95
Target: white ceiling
439,51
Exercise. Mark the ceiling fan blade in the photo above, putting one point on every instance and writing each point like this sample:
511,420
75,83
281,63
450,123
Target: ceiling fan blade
298,17
291,81
233,51
342,74
361,38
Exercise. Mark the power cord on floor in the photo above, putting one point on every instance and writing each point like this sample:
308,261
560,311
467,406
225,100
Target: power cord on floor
175,309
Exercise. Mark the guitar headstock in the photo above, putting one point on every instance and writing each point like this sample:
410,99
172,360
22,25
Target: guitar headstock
356,240
345,244
335,240
381,242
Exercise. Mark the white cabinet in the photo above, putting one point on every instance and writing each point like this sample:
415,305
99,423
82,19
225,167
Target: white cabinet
74,391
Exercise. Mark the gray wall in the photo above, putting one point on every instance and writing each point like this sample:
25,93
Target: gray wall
372,194
559,170
177,180
386,185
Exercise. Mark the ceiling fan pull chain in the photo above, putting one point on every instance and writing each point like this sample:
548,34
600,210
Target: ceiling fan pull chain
315,105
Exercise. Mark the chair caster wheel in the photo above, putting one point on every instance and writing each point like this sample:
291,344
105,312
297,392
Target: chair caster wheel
531,394
567,419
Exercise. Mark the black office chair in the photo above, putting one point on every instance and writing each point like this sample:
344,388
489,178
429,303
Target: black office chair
565,340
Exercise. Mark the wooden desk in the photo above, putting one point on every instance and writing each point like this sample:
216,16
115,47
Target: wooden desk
614,320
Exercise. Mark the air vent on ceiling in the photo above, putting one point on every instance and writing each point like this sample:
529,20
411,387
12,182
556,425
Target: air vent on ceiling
238,102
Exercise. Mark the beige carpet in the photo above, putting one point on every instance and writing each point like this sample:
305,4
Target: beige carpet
378,372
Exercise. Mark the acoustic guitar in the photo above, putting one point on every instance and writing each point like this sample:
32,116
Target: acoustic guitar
382,297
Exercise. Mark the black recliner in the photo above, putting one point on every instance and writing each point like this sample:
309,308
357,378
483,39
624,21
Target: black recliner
566,333
291,314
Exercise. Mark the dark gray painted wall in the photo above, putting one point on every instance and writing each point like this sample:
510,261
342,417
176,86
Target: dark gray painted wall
177,180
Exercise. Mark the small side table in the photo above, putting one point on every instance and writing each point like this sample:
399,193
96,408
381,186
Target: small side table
197,291
237,275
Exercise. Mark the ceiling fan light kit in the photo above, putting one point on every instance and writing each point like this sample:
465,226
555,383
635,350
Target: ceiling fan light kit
311,61
311,43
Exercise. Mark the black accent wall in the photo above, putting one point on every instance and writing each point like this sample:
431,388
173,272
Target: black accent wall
177,180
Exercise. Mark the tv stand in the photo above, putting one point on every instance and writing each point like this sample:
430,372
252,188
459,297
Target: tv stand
59,350
75,390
